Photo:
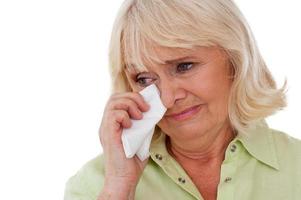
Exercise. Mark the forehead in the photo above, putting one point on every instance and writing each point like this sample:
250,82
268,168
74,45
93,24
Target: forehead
158,55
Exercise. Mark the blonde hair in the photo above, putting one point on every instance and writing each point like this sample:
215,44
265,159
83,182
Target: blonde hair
187,24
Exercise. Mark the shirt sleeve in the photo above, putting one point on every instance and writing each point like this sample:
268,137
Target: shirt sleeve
87,183
76,190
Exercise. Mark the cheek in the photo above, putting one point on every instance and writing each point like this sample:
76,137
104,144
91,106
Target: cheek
214,90
218,104
134,87
216,84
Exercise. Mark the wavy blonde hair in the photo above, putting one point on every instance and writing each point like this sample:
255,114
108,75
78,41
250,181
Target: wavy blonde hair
187,24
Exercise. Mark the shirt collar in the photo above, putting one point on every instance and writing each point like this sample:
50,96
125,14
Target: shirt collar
158,145
257,140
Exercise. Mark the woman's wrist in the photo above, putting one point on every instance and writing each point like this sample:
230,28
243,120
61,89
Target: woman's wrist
117,189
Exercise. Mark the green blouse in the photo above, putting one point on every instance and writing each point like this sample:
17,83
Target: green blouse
263,164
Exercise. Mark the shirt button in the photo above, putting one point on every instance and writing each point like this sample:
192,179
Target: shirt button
158,156
227,180
182,180
233,148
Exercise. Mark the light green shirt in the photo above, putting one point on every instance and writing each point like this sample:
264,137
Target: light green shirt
263,164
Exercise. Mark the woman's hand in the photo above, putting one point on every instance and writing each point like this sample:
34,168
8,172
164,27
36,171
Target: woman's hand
121,174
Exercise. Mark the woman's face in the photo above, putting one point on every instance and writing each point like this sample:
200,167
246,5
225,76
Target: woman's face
194,86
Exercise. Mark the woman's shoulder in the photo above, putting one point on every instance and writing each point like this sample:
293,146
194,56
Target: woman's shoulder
286,142
288,149
87,182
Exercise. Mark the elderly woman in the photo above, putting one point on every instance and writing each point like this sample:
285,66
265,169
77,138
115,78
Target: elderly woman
212,142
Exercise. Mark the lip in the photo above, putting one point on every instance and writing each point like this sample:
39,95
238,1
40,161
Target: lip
185,114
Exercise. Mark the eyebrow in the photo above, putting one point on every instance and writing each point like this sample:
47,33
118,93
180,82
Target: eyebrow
177,60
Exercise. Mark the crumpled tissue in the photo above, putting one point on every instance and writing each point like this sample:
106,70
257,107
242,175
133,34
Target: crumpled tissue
137,138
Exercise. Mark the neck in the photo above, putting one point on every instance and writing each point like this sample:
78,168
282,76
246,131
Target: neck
210,147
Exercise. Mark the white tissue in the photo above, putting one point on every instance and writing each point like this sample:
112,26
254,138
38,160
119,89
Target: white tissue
137,139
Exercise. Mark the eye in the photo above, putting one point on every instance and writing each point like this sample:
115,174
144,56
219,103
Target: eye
143,80
182,67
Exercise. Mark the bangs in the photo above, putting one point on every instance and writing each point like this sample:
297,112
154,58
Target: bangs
158,24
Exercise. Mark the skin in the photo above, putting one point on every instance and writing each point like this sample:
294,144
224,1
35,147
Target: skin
186,78
199,142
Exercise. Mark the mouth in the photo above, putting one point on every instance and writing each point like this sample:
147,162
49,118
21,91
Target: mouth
185,114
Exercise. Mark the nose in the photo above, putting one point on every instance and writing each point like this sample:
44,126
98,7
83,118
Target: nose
170,92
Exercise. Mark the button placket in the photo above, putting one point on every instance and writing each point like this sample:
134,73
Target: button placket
181,180
226,186
228,179
158,157
233,148
176,173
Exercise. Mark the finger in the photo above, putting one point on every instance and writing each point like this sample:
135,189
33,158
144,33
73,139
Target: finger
121,119
128,105
114,123
136,97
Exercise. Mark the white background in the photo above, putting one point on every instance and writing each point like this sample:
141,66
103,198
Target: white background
54,84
